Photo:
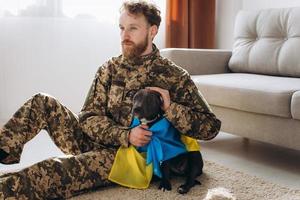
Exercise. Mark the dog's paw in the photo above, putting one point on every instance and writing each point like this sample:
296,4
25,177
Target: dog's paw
185,188
165,185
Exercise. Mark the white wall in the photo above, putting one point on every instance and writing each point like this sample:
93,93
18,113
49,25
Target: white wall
263,4
56,49
227,10
55,46
56,56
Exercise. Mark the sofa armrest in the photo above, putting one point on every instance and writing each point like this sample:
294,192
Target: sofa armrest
199,61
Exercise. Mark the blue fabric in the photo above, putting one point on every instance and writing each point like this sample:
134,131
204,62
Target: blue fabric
165,143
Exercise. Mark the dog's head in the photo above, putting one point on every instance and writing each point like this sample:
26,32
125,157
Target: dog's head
147,106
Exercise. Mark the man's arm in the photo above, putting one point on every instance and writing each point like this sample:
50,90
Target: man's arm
190,113
93,118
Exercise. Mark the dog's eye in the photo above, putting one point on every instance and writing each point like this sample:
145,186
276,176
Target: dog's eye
137,110
130,93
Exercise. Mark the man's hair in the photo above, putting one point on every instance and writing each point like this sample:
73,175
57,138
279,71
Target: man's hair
149,10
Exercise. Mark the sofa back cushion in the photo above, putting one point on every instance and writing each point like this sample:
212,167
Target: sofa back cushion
267,42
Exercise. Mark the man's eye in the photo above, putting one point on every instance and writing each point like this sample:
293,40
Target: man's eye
133,28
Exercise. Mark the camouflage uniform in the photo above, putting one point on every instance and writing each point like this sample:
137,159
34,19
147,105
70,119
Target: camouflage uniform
92,139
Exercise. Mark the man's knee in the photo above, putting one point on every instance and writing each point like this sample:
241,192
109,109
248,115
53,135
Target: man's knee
45,101
43,97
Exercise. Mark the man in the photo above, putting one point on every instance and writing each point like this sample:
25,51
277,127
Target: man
92,139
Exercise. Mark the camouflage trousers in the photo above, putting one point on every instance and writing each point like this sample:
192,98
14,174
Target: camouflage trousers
86,165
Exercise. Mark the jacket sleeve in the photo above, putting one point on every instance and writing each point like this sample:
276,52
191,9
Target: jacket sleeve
93,118
189,112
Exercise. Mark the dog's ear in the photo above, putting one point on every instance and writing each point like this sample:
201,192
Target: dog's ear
138,96
159,97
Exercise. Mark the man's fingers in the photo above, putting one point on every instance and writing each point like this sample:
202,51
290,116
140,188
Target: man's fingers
147,133
157,89
141,143
145,138
165,94
139,136
144,130
144,126
154,88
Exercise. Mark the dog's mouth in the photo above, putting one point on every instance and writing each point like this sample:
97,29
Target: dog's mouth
146,121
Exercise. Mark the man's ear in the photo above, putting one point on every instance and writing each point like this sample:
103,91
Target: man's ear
153,31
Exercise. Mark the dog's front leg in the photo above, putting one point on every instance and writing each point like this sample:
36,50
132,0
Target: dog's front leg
165,180
195,165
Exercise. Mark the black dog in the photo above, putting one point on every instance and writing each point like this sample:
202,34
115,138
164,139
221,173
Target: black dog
147,108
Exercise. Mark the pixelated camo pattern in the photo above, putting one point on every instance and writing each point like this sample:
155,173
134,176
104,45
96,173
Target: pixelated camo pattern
92,139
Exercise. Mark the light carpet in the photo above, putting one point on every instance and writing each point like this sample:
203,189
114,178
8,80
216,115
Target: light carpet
242,186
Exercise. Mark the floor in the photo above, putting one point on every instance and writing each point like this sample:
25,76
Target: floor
272,163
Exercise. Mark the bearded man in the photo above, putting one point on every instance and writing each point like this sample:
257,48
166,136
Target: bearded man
92,139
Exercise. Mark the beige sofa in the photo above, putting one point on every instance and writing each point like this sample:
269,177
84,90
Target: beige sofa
255,88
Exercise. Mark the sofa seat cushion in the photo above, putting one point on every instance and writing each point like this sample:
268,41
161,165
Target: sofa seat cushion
271,95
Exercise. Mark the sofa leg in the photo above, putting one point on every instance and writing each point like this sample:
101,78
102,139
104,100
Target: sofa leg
246,141
246,144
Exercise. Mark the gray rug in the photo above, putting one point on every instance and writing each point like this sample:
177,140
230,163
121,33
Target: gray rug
242,187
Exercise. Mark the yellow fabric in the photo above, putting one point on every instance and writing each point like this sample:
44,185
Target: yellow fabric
190,143
132,164
130,170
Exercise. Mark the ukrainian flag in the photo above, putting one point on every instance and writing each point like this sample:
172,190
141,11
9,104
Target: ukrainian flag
134,167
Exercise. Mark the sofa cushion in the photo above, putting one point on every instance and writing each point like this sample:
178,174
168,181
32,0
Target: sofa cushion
295,106
255,93
267,42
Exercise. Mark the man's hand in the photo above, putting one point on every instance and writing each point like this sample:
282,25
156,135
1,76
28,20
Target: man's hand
139,137
165,96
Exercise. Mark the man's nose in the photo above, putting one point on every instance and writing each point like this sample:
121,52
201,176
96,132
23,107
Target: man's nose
125,35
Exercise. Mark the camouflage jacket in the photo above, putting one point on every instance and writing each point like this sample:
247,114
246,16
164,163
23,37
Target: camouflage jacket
106,113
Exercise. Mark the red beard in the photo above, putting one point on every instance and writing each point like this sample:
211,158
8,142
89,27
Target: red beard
131,50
